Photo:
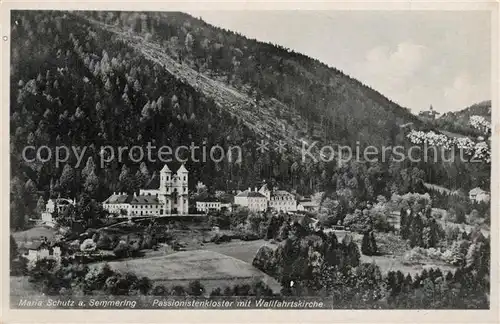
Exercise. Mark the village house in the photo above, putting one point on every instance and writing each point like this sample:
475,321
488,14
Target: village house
57,205
308,206
208,205
479,195
429,114
42,250
280,200
254,200
260,200
163,195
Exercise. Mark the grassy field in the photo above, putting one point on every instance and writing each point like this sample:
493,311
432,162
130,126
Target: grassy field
34,234
211,268
20,286
393,248
393,263
242,250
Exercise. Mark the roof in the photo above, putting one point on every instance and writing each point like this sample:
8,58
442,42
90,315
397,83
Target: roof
476,191
165,169
281,193
264,187
132,199
308,203
247,193
154,182
61,201
36,245
144,200
118,199
208,200
182,169
227,199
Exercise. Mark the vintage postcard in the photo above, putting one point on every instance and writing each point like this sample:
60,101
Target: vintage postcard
262,162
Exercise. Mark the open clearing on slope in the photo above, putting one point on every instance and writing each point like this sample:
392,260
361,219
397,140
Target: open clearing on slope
211,268
392,263
259,117
34,234
242,250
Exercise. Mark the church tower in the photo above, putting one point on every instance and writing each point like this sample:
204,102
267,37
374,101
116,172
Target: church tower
182,202
165,189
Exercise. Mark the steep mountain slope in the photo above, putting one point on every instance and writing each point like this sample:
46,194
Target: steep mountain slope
122,79
459,121
84,80
283,91
239,104
480,109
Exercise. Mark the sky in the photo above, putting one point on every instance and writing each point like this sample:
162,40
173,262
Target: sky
417,59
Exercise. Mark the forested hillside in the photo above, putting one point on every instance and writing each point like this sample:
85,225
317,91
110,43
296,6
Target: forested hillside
458,122
90,79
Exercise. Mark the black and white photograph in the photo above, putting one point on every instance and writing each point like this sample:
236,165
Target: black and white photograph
245,159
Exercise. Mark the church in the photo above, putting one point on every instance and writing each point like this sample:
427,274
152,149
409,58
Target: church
165,194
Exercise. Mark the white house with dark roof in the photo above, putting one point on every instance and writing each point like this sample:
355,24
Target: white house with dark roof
280,200
163,195
42,250
58,205
479,195
307,205
260,200
208,205
254,200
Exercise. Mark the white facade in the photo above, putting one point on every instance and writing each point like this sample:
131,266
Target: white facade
206,206
283,201
59,205
260,200
163,195
479,195
44,252
307,205
279,200
254,200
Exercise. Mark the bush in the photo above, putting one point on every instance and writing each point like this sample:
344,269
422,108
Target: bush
220,219
122,250
88,245
143,285
283,231
160,291
220,238
378,215
414,256
239,216
249,236
369,245
263,260
418,254
195,288
216,292
178,291
104,242
19,266
359,221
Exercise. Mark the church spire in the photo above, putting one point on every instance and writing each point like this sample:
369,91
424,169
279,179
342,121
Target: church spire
165,169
